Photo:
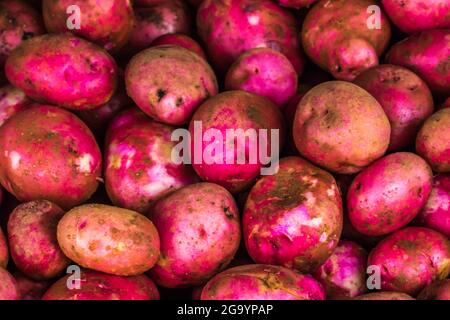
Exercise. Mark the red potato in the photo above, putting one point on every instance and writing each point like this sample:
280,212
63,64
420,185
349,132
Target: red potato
200,234
99,286
410,259
439,290
8,286
30,289
343,275
405,98
264,72
341,127
432,142
418,15
436,212
32,240
389,194
234,110
18,21
12,100
157,18
229,28
384,296
4,252
181,40
107,23
138,164
338,36
169,82
39,133
109,239
426,54
64,70
262,282
293,218
296,4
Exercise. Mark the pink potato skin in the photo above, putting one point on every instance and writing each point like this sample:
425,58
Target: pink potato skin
341,127
426,54
100,286
108,24
64,70
296,4
44,132
18,21
8,286
389,194
293,218
200,234
405,99
32,240
439,290
4,252
138,164
235,110
12,100
418,15
109,239
30,289
343,275
229,28
436,212
335,35
181,40
264,72
157,18
432,141
262,282
411,258
384,296
169,82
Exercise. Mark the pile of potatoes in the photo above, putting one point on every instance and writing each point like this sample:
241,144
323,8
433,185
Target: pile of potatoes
94,207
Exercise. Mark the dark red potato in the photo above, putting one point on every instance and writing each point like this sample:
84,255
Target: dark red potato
48,153
389,194
32,239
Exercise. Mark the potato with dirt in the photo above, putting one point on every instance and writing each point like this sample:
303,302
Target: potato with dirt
265,72
233,134
200,233
32,240
138,163
436,212
432,142
18,21
100,286
389,194
109,239
63,70
405,99
262,282
12,100
229,28
341,127
8,286
410,259
169,83
107,23
426,54
343,275
439,290
343,37
413,16
294,217
48,153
